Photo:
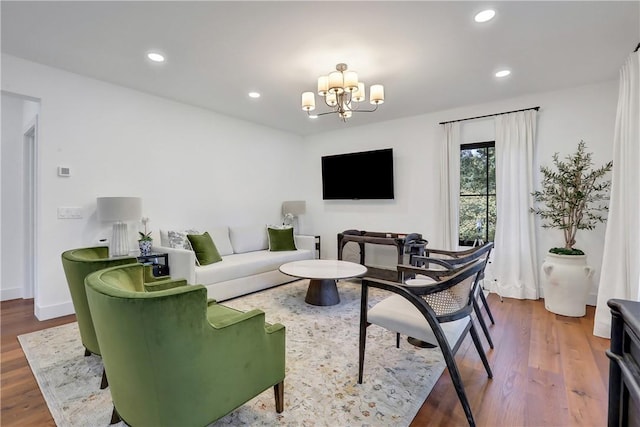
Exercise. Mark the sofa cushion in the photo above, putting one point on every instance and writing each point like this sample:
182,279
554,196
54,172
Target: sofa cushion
247,264
205,249
248,238
220,236
178,238
281,239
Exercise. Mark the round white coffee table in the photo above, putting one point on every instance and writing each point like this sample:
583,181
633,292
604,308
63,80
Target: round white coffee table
322,275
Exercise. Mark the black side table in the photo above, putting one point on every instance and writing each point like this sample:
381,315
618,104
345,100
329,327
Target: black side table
158,261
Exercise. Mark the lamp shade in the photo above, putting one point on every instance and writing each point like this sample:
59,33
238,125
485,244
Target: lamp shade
294,207
111,209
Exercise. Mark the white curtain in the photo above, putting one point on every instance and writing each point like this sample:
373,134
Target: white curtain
620,276
515,260
450,185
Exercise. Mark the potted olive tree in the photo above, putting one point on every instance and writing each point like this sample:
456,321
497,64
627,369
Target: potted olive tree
573,197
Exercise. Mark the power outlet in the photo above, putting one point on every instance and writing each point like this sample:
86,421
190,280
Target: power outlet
69,213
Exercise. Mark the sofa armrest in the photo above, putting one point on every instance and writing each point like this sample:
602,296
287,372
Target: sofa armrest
305,242
182,262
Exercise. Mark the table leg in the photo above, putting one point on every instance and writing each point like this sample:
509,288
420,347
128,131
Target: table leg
322,292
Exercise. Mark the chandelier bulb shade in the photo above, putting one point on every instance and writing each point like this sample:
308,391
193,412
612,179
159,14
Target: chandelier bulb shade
341,91
376,95
308,101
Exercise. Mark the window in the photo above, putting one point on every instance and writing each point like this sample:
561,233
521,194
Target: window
477,193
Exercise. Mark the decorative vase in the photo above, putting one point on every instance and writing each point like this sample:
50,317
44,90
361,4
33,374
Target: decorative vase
145,247
566,284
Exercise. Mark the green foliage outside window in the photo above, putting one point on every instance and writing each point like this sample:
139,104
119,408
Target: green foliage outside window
477,210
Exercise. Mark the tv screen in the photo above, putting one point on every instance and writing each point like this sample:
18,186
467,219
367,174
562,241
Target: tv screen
364,175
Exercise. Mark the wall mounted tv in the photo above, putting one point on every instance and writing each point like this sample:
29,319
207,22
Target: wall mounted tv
353,176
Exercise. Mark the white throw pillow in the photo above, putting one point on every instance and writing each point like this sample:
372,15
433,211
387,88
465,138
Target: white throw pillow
178,239
220,236
248,239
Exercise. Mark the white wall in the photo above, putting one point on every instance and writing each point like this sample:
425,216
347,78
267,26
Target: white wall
193,167
565,117
190,166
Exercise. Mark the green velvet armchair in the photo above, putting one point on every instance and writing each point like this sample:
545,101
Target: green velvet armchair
176,359
77,264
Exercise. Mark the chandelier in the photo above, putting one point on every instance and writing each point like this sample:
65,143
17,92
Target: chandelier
343,93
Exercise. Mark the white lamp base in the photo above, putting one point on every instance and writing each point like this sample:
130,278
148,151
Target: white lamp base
119,240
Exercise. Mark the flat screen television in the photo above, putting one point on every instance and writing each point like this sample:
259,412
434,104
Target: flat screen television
353,176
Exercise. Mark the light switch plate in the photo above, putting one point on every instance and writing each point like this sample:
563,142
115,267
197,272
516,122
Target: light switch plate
69,213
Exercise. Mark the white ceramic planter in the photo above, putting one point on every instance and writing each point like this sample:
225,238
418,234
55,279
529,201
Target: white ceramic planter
566,283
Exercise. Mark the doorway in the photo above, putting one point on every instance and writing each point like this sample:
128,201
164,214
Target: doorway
30,169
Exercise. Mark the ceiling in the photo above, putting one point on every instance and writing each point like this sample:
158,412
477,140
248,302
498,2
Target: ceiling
430,56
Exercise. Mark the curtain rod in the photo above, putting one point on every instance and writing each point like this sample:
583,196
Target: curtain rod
490,115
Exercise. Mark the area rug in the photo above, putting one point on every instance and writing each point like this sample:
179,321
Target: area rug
321,387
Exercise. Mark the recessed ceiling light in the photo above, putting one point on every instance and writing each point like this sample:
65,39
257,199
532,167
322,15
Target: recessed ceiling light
503,73
254,95
485,15
155,56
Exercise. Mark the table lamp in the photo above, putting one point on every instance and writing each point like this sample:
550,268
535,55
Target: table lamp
119,210
292,209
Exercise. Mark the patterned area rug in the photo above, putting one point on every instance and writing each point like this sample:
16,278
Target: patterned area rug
321,385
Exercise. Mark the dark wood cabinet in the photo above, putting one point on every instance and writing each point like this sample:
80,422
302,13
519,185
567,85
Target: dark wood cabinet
624,365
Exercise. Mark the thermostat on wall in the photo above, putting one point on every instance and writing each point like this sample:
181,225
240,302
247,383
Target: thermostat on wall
64,171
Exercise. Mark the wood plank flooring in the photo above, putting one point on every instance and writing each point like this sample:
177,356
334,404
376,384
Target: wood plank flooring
548,370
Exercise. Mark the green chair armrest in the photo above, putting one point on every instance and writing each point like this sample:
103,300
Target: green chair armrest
229,317
270,329
165,284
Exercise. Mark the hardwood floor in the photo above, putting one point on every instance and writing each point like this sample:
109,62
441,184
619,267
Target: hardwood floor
548,370
21,401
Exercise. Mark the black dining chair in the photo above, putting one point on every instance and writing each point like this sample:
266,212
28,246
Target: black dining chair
437,264
439,313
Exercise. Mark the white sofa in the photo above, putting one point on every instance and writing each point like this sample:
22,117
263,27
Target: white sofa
247,264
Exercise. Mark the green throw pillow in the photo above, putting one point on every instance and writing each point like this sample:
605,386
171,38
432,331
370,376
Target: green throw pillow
205,249
281,239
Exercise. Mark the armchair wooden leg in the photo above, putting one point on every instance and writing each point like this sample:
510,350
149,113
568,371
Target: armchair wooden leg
115,417
397,340
278,390
104,383
457,384
483,325
364,305
486,307
363,340
483,356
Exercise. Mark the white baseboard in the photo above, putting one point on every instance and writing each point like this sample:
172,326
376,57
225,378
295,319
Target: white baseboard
53,311
11,293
